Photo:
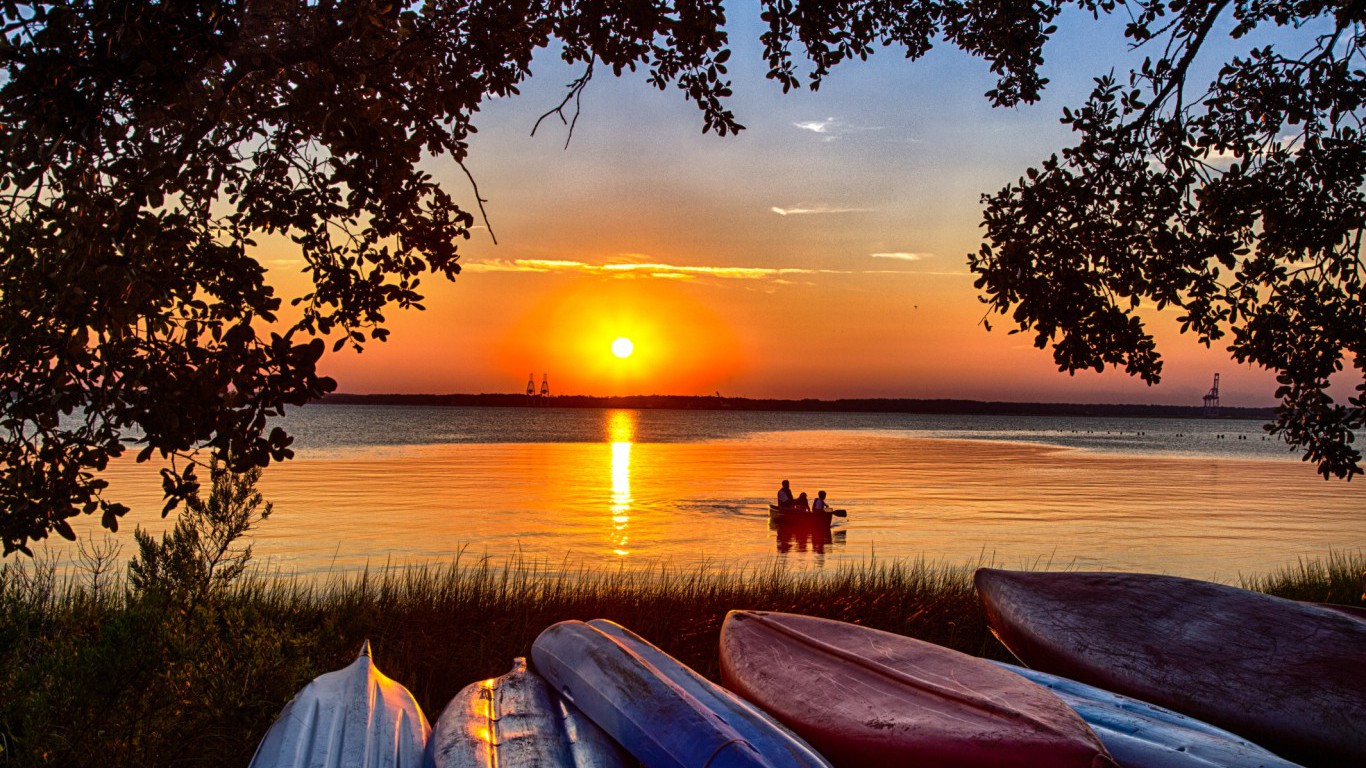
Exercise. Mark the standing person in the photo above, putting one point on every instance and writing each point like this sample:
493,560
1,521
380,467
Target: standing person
784,496
819,505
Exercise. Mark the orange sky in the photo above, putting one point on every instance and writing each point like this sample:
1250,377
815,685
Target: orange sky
821,253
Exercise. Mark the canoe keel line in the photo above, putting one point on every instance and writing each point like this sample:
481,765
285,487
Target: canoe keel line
516,720
351,718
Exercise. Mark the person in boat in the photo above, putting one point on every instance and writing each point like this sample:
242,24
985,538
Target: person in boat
785,496
802,503
819,505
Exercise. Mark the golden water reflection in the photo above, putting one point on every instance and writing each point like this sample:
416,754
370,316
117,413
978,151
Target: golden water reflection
621,426
621,431
622,501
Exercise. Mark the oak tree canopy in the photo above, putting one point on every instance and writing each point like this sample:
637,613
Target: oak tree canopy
146,147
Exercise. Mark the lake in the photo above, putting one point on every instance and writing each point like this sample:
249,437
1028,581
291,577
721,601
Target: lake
571,488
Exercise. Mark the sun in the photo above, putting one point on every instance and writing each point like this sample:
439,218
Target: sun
623,347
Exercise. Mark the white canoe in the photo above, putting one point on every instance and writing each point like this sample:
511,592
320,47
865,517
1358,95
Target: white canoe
351,718
516,721
1143,735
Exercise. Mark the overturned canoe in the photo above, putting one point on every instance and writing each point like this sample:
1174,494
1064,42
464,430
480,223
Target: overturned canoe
660,711
1287,675
768,736
515,720
867,698
1143,735
351,718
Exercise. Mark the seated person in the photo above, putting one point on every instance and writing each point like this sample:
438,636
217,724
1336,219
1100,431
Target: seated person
802,503
785,496
820,504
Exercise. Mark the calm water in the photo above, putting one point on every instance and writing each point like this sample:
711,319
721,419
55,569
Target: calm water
375,485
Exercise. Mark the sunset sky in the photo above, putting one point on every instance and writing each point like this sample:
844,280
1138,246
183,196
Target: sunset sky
820,253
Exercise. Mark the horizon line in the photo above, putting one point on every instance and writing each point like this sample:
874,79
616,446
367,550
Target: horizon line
718,398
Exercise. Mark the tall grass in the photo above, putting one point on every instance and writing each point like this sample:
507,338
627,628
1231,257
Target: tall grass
92,673
1340,578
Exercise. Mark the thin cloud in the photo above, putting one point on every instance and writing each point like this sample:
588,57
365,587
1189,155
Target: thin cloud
654,270
832,128
1225,156
815,210
817,126
902,256
639,269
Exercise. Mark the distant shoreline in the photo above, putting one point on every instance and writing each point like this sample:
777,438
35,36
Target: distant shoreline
843,405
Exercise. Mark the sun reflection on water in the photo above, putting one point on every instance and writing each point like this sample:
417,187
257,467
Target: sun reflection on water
621,431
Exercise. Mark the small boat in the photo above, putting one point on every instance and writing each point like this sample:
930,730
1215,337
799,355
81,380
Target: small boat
516,720
1288,675
799,516
662,712
354,717
1143,735
871,699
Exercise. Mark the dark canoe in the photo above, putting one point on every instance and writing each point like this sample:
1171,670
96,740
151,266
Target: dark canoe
796,516
1287,675
871,699
663,713
1355,611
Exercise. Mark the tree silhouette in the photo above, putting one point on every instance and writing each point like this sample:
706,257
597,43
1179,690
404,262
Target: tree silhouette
1240,203
146,147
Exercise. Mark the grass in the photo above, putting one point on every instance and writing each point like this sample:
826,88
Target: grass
94,674
1341,578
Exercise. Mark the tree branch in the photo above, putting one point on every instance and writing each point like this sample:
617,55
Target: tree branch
576,94
1178,75
480,200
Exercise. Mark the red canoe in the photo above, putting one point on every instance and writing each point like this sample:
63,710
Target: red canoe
866,698
1290,676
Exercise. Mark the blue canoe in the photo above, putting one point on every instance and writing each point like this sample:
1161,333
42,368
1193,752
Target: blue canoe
662,712
1143,735
516,720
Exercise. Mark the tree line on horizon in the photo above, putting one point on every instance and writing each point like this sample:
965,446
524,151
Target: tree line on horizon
842,404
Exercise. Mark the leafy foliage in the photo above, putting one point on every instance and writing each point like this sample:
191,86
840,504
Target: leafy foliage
206,551
1241,205
146,149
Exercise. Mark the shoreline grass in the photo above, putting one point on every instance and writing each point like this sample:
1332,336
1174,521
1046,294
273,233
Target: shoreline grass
92,673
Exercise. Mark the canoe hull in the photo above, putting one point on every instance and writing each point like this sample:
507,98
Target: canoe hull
354,717
797,517
1289,676
665,715
516,720
1143,735
868,699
